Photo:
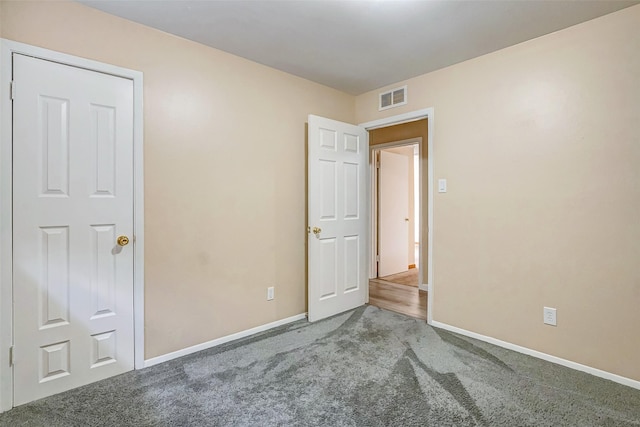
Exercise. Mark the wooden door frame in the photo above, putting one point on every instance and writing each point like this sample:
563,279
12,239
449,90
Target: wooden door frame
427,113
7,49
374,205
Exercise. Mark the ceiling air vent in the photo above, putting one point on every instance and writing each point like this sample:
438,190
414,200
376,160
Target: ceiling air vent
393,98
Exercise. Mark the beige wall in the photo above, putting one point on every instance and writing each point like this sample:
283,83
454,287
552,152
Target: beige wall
540,144
224,171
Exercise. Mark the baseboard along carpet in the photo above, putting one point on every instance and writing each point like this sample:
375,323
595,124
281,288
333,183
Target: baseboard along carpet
367,367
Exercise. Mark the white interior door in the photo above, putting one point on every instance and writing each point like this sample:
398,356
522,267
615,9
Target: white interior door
338,219
73,197
393,213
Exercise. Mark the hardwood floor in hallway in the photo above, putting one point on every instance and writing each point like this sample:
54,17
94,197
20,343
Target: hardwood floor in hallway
404,299
409,278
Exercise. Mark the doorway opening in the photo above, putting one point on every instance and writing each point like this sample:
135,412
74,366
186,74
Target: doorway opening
343,228
397,232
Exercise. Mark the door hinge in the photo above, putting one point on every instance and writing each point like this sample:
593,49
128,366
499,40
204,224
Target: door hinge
377,258
12,90
11,361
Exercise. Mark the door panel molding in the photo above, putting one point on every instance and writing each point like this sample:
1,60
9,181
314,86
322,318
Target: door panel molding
337,213
7,49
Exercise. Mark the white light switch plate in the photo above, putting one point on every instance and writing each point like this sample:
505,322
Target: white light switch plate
442,185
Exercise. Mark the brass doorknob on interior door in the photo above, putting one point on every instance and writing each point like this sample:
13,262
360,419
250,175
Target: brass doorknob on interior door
123,240
317,230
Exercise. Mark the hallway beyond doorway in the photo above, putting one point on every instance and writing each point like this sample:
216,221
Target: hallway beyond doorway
407,278
404,299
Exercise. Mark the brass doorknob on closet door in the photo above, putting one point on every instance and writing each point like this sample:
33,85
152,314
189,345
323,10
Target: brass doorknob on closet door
123,240
317,230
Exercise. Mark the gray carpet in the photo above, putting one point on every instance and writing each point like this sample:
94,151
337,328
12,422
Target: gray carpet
367,367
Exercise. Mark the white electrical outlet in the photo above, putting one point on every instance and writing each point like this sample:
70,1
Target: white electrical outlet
270,293
549,316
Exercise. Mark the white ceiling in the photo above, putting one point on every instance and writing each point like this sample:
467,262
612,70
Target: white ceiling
357,46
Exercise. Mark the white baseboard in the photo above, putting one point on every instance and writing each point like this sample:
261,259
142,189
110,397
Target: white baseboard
424,287
222,340
549,358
